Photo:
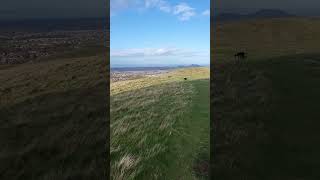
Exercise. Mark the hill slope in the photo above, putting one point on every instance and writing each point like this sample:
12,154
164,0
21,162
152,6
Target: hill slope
160,126
261,14
53,119
267,38
265,108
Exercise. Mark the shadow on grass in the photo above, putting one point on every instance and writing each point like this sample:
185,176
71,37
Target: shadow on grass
60,135
266,119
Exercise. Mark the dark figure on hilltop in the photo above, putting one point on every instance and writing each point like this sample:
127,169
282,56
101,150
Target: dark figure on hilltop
185,78
240,56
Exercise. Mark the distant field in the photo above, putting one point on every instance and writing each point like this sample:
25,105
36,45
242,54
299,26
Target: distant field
160,126
173,76
265,110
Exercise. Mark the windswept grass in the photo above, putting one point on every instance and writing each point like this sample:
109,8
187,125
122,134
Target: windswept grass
24,81
267,38
53,119
265,115
160,130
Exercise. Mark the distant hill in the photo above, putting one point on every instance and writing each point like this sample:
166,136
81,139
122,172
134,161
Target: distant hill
270,13
263,13
191,65
152,68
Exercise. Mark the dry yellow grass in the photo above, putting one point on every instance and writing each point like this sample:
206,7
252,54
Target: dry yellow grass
172,76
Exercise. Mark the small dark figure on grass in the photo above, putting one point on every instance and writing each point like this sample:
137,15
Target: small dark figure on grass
185,78
240,56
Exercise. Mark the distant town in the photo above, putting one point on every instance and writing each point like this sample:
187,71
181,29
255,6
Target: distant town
35,40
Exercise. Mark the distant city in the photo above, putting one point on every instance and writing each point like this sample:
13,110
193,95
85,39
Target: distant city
34,40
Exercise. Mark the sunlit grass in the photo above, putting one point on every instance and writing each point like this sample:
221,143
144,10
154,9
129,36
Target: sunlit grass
160,126
173,76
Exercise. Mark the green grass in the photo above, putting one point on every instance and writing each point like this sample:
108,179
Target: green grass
267,38
294,117
53,121
266,110
161,131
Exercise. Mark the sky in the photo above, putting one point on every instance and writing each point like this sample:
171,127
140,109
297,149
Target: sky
30,9
18,9
159,32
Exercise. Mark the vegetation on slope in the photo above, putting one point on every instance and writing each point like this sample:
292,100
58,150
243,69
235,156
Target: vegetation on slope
265,110
53,119
160,130
267,38
172,76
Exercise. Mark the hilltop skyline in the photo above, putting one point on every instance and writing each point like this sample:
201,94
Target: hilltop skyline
297,7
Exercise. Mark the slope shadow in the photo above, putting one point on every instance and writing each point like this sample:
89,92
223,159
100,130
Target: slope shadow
61,135
265,116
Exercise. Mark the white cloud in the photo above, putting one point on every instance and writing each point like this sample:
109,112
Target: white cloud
206,12
161,4
184,11
152,52
165,7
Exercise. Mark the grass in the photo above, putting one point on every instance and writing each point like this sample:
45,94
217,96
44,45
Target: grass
293,124
267,38
53,119
265,110
173,76
161,129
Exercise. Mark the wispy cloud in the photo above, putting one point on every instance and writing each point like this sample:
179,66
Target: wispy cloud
206,12
161,4
184,11
153,52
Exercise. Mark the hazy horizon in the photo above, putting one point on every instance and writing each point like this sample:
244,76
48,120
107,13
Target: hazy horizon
152,65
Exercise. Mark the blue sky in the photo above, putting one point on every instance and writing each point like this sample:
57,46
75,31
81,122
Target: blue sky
159,32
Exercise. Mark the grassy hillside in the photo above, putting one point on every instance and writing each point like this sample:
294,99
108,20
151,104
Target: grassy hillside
173,76
160,126
53,119
265,115
267,38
